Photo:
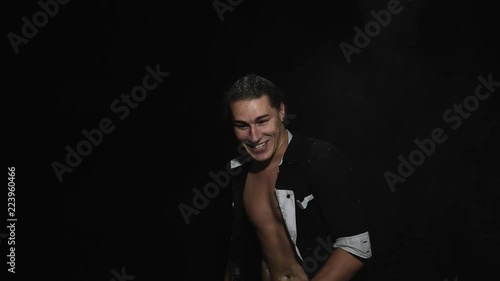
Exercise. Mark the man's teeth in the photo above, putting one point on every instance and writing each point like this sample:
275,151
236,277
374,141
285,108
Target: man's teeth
260,146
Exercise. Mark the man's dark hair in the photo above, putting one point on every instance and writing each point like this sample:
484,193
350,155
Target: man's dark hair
252,86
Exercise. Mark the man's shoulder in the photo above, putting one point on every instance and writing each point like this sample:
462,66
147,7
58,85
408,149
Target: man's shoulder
321,157
314,146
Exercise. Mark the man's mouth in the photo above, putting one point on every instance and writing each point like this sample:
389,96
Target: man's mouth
257,147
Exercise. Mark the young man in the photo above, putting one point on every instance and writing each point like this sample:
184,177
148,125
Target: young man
296,215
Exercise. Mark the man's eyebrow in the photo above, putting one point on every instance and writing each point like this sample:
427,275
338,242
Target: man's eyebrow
262,117
256,119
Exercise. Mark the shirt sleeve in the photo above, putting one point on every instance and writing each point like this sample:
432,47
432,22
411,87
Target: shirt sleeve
339,202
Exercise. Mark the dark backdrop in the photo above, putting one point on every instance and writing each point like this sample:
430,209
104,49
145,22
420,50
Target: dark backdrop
117,212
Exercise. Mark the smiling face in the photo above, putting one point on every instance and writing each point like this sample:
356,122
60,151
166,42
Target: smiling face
259,127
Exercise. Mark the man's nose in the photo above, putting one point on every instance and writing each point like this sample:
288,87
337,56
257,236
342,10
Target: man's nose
254,134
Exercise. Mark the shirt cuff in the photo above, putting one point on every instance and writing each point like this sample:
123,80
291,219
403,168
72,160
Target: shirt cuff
358,245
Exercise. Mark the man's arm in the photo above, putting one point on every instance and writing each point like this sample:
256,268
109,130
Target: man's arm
340,266
344,219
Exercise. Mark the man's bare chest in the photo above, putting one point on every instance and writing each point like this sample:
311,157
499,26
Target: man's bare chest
259,199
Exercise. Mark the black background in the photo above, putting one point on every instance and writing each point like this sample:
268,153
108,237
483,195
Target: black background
119,208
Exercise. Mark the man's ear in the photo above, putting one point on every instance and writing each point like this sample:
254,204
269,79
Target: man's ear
282,111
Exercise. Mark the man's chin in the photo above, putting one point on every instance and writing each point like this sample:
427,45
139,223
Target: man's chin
260,157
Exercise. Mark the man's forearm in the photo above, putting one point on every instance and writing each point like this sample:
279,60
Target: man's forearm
340,266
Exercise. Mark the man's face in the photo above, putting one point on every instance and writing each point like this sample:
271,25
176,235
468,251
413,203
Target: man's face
257,125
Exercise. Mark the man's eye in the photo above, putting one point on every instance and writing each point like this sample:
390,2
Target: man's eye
262,122
240,126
